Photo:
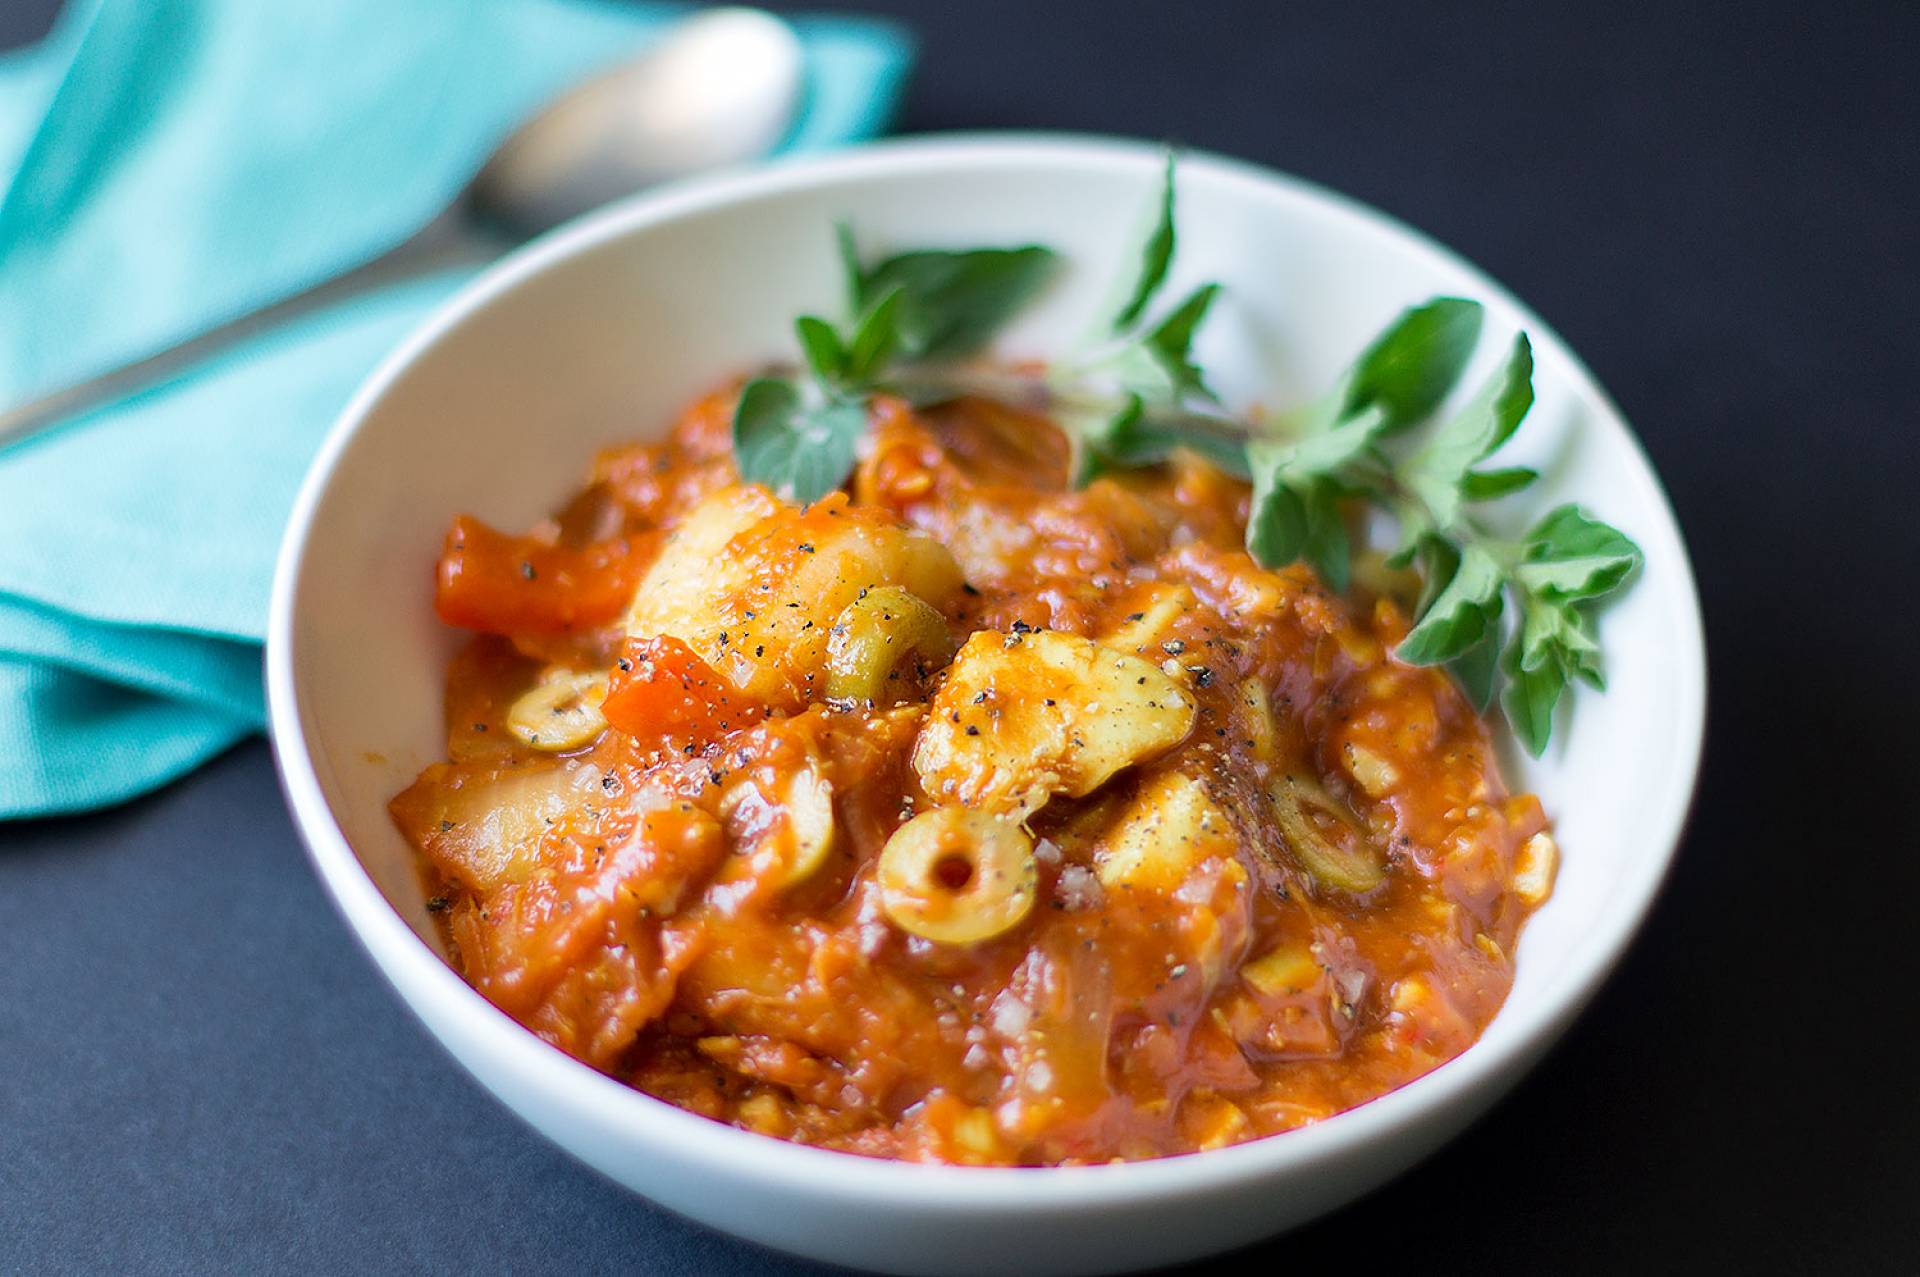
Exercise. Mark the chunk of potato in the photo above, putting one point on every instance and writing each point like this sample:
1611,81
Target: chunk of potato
754,587
1152,621
1170,829
693,566
481,825
1025,716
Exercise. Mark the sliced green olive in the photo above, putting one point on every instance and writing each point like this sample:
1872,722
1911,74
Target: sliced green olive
957,876
873,634
1325,840
560,712
801,829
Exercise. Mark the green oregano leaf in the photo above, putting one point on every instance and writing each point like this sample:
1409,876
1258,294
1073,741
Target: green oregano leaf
1326,546
1171,343
1156,257
1412,365
1436,472
1570,554
1477,670
1556,630
875,337
1101,441
821,346
1277,519
1489,485
1530,697
1461,615
800,452
952,303
853,280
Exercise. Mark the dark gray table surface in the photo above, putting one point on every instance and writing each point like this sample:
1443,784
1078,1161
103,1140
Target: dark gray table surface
199,1070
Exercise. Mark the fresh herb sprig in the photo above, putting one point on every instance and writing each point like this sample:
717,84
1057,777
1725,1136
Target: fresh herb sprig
1495,610
927,307
1128,401
1157,398
1552,575
1311,470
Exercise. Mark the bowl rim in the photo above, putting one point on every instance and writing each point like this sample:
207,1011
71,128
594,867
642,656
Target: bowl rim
637,1119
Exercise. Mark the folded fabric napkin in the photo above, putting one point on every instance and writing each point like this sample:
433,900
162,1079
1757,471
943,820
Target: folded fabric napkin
166,163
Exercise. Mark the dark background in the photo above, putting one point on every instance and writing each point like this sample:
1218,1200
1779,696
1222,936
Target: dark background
199,1070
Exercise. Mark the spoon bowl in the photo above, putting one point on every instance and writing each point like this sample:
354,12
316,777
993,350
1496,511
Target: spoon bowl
722,88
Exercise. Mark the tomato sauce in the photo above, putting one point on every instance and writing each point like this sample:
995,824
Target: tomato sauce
962,817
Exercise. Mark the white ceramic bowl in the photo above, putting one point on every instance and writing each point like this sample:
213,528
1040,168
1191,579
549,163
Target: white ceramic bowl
603,330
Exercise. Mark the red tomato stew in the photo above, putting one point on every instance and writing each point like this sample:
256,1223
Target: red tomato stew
961,816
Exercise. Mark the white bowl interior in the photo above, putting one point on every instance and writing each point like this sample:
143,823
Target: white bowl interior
603,333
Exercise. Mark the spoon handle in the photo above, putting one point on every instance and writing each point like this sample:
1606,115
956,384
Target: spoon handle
441,243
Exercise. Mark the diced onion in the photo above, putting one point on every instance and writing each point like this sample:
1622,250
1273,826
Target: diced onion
1373,772
1533,868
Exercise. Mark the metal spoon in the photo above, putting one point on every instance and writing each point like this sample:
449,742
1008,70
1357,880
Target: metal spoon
722,87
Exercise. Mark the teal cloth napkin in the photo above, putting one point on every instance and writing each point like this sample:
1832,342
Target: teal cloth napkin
166,163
